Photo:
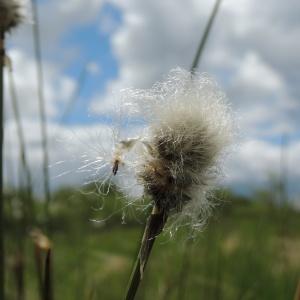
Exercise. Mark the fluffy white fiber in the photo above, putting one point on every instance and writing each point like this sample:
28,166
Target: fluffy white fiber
187,128
11,14
168,146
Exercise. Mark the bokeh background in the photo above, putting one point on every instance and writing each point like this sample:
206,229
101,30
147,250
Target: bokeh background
90,50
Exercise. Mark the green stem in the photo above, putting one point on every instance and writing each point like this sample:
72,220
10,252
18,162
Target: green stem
29,206
48,293
42,110
205,36
153,228
2,260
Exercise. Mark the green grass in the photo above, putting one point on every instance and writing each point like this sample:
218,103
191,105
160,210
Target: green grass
249,250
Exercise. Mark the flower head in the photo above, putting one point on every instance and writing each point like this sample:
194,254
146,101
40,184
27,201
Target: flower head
10,14
187,128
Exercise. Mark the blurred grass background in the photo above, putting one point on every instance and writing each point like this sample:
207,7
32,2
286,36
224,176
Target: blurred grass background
249,250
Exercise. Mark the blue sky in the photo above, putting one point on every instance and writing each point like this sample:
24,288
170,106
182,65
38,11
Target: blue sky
252,52
93,45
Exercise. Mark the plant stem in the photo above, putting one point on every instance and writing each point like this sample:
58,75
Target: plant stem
39,269
297,294
2,260
19,275
42,110
75,95
48,277
30,211
153,228
188,245
184,270
205,36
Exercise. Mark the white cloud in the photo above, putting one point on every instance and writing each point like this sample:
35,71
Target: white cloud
254,159
257,74
253,53
257,163
57,87
56,18
71,151
156,37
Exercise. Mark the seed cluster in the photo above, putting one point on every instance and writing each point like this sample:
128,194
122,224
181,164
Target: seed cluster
189,127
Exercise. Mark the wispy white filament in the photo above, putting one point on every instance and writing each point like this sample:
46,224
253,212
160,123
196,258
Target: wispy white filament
185,128
169,146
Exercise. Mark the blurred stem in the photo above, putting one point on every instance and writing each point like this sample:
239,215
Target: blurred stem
30,211
283,204
184,270
153,228
297,294
41,98
188,245
219,272
19,275
2,260
283,171
75,95
39,269
48,277
73,99
43,263
205,36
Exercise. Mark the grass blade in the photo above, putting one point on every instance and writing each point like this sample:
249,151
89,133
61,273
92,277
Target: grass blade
42,109
205,36
153,228
2,55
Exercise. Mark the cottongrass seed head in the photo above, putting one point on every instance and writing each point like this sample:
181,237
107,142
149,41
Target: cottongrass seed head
11,14
187,128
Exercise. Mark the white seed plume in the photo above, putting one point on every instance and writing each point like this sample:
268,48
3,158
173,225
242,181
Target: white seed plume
11,14
188,127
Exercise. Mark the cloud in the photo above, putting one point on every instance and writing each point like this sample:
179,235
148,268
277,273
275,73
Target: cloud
57,87
253,53
56,19
254,73
255,62
256,164
74,152
254,159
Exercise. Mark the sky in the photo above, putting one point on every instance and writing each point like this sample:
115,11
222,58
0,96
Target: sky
104,46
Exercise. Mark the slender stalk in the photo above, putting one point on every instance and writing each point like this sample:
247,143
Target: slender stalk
48,295
42,255
75,95
297,294
205,36
153,228
2,260
186,251
42,112
283,199
19,276
185,266
39,269
283,204
43,263
30,210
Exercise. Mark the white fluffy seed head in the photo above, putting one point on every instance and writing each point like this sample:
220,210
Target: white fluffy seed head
10,14
189,126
